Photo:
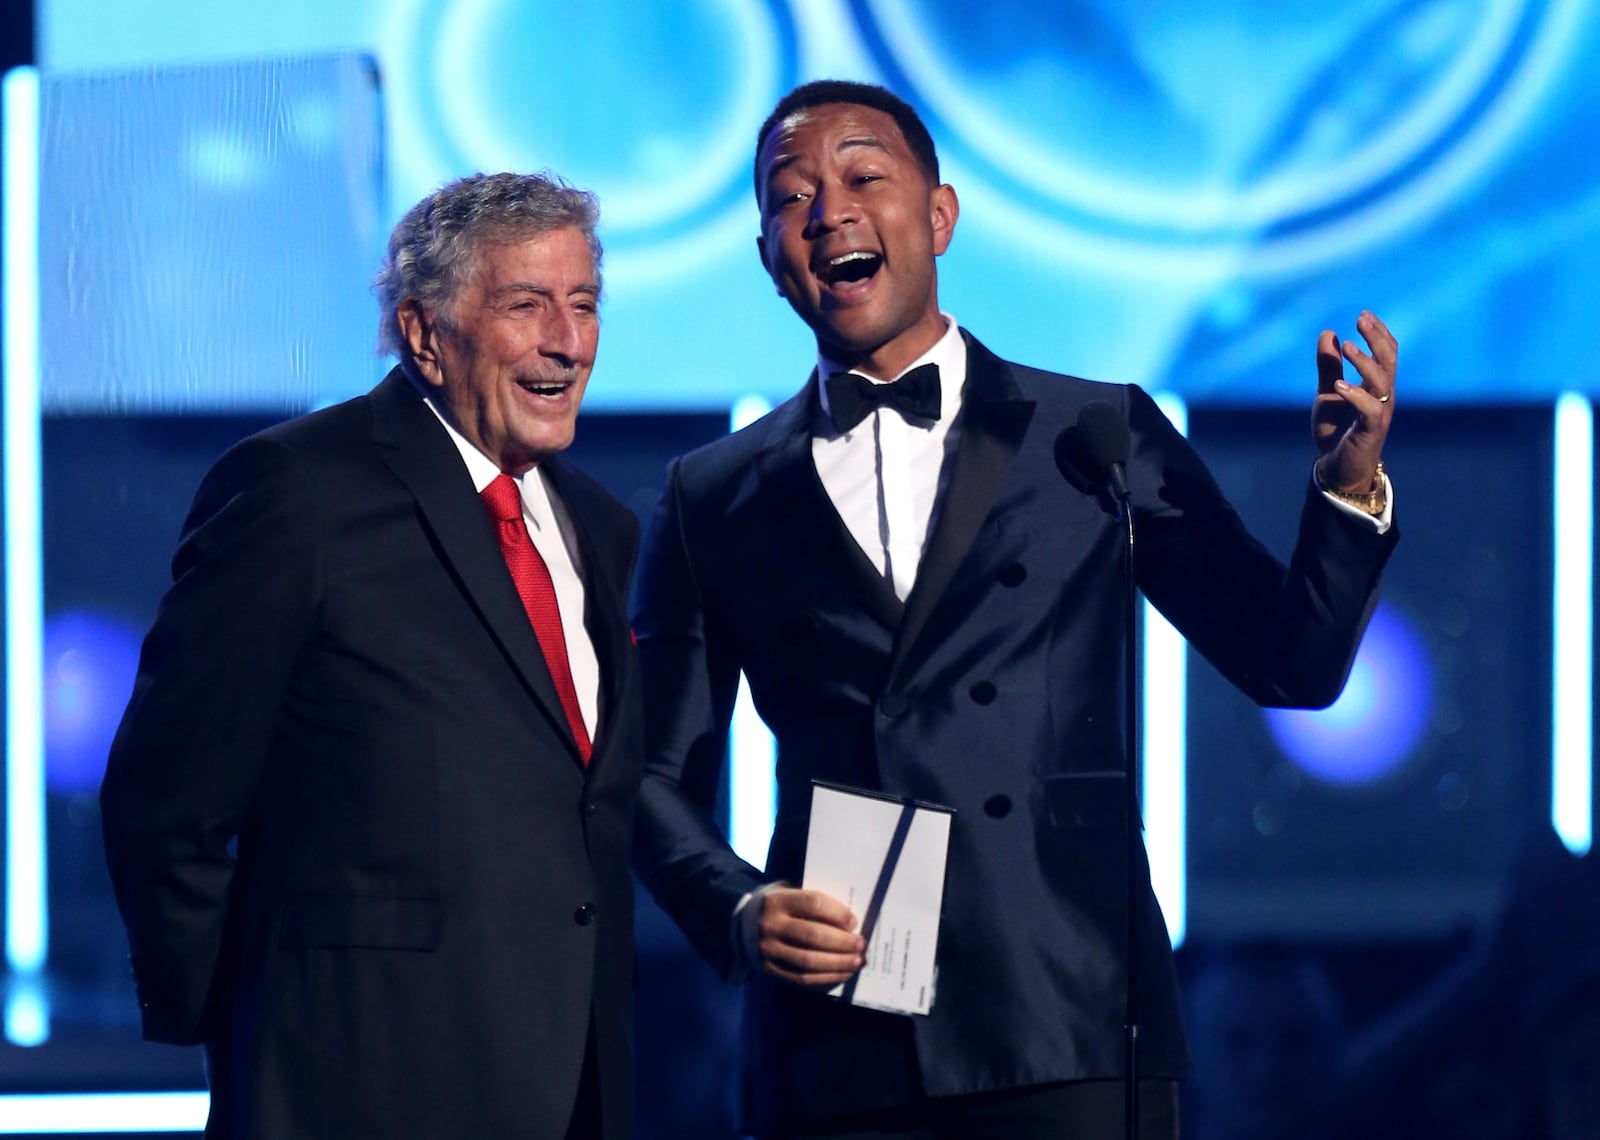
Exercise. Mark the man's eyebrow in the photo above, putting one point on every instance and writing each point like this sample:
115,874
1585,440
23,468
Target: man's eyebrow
783,161
871,141
543,290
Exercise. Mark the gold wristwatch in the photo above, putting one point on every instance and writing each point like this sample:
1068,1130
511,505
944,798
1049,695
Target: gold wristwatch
1373,501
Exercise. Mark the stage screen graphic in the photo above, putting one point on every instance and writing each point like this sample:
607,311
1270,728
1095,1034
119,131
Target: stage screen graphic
1170,194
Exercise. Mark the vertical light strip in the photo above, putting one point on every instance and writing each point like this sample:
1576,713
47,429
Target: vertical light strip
27,931
752,752
1164,737
1572,681
77,1113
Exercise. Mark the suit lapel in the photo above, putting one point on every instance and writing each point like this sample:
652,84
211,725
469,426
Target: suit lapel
422,456
994,417
790,484
604,619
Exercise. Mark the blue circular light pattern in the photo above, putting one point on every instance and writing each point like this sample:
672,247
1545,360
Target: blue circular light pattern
1375,726
1108,128
90,662
653,108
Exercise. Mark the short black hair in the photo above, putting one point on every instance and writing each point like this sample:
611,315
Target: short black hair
823,91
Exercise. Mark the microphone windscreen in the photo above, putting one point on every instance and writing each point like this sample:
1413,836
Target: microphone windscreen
1070,461
1104,432
1086,451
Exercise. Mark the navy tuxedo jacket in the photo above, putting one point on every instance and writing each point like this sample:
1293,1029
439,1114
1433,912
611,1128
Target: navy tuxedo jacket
430,908
995,689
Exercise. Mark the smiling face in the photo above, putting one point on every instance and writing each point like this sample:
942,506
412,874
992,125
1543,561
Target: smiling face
850,228
512,355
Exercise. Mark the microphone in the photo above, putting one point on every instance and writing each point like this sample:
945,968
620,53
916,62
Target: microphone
1092,454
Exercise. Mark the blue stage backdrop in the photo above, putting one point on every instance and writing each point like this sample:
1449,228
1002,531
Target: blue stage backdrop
1175,194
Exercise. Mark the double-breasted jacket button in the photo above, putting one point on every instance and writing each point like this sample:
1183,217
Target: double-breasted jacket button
1013,575
984,692
894,704
997,807
585,914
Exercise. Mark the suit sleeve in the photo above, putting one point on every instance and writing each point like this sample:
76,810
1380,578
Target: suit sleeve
1285,635
192,746
690,681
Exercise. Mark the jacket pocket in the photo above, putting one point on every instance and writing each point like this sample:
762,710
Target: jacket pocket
378,922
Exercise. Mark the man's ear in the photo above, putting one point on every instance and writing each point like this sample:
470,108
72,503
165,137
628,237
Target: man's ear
419,332
943,209
761,252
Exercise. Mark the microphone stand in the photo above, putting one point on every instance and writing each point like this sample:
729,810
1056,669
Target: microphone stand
1118,493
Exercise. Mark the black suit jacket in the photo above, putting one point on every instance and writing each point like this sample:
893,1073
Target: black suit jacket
429,910
995,689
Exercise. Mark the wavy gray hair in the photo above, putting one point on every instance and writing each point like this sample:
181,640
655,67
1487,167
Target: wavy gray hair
434,247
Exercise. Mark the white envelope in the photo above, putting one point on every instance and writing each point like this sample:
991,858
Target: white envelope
884,858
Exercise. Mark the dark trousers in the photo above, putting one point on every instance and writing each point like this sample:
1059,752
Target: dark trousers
1070,1110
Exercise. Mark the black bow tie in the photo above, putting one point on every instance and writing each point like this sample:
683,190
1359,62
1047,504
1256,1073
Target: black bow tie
851,396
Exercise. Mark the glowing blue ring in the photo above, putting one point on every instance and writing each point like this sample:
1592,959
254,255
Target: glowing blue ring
1375,727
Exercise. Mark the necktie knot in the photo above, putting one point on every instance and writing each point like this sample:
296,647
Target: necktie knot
503,499
852,396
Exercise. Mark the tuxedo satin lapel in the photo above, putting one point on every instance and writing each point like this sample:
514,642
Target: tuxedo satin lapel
994,417
790,485
422,456
604,618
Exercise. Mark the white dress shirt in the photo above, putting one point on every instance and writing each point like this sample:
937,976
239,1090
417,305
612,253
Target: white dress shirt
550,528
887,475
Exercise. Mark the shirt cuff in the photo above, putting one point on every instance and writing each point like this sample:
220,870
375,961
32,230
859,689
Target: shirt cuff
744,931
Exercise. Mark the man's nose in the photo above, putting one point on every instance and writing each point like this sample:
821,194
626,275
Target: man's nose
563,336
833,206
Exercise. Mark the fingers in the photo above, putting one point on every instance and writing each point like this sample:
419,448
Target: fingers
1377,367
809,938
1330,367
1350,422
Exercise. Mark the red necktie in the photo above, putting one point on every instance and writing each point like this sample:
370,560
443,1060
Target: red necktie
532,577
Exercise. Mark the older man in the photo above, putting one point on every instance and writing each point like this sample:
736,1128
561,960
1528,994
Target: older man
368,811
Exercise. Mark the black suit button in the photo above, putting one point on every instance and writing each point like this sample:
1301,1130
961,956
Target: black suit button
590,807
1013,575
894,704
585,914
800,629
997,807
984,693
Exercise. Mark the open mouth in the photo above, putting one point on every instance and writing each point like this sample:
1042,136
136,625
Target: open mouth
550,388
849,268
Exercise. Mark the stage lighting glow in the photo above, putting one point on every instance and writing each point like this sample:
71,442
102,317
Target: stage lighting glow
1373,728
74,1113
1572,682
90,662
1164,794
27,921
752,751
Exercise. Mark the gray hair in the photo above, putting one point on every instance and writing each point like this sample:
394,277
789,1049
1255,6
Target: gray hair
434,247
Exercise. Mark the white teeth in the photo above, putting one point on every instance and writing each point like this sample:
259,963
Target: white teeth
854,255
